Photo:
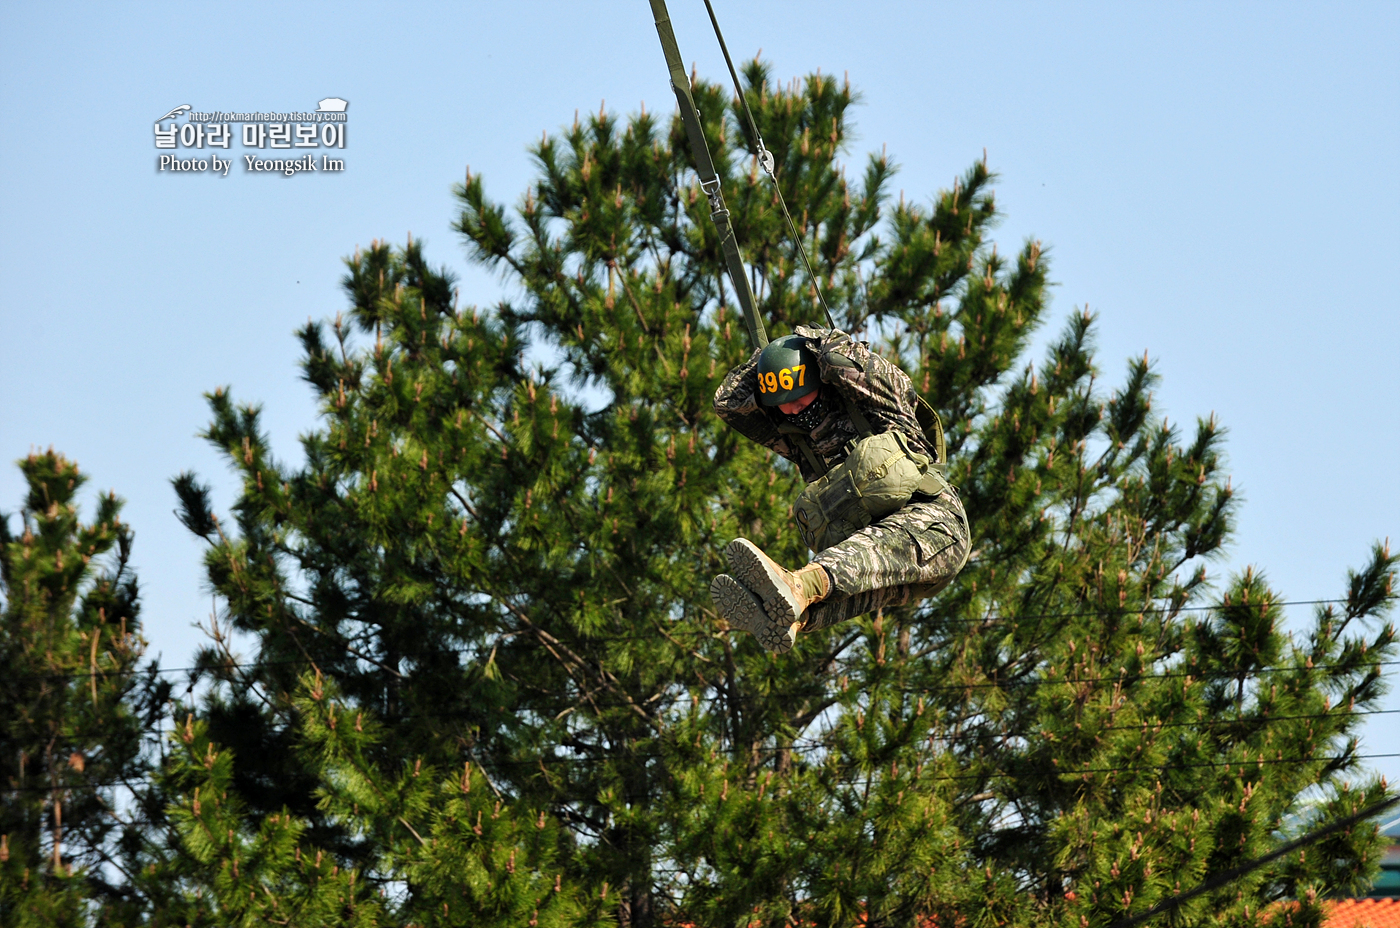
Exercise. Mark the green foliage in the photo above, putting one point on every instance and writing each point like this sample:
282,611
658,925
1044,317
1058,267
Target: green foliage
74,704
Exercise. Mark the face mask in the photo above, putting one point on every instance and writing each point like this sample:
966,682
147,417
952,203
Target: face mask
813,415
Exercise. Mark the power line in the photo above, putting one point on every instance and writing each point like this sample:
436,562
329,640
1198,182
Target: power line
1229,876
655,637
583,702
799,744
594,761
1126,677
1263,720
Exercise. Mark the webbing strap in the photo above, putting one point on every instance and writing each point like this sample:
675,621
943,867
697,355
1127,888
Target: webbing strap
857,417
934,481
709,181
924,412
803,441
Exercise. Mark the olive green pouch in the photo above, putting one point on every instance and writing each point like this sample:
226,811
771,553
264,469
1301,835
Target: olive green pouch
879,476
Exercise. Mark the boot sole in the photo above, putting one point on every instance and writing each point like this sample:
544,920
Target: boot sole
745,610
755,572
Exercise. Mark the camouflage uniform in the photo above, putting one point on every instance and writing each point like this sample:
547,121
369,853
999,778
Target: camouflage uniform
906,556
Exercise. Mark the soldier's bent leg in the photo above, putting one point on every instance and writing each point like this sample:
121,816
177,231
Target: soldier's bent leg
906,556
839,609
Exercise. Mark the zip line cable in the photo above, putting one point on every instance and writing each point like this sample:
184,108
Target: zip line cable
1234,873
1133,677
765,160
709,179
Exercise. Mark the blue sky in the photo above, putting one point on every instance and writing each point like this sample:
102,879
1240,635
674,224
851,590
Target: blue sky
1220,182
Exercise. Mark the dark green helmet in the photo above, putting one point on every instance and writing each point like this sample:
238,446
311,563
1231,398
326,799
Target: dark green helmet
787,371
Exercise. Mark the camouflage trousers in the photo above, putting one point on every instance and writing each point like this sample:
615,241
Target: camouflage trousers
907,556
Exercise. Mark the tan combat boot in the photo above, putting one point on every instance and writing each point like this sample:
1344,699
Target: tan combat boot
785,594
744,610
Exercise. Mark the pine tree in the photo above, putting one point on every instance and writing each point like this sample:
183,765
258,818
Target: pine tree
469,858
75,702
498,550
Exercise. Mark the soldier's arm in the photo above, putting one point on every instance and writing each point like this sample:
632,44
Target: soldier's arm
881,388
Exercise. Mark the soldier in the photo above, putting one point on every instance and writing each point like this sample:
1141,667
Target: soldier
886,533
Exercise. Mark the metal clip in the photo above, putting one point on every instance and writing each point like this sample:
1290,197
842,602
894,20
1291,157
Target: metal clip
765,160
711,190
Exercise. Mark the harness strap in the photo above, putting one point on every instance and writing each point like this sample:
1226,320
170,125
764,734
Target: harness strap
929,423
857,417
934,482
709,181
816,461
804,444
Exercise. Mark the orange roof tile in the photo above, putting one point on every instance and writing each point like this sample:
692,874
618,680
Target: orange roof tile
1364,913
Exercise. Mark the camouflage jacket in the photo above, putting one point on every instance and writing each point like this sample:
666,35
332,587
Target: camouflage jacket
881,391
